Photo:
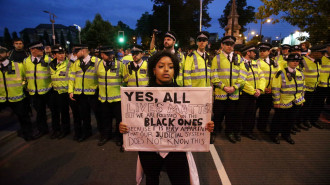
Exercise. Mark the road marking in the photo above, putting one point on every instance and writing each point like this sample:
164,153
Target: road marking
219,166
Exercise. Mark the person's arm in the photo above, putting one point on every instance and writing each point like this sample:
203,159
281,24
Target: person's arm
210,126
123,128
72,76
152,43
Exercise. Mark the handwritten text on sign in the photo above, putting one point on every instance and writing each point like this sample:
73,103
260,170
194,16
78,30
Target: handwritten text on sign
166,118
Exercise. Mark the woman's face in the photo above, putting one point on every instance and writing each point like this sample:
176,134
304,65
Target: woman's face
164,71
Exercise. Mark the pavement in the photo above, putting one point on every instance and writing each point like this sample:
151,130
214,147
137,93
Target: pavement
66,162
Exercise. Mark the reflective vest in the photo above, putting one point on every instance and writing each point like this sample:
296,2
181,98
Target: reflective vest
110,81
60,75
136,77
288,89
281,62
127,59
268,70
311,72
227,74
38,75
84,80
324,80
197,71
11,82
255,78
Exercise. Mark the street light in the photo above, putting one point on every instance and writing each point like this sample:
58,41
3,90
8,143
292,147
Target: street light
261,23
79,30
52,20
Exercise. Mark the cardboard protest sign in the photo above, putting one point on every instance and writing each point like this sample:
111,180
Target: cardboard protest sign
166,118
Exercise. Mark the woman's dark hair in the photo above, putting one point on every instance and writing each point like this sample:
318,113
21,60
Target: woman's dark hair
153,60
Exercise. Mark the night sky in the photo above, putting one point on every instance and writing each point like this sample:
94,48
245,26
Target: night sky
19,14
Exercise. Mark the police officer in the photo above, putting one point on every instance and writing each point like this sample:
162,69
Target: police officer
18,54
228,75
287,88
127,58
12,75
39,83
255,84
60,70
170,39
311,69
281,59
83,89
269,67
110,75
198,64
135,72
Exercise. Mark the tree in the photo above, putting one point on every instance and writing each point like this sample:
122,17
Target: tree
26,38
128,32
14,34
98,32
46,38
144,27
310,16
62,39
246,14
184,18
7,41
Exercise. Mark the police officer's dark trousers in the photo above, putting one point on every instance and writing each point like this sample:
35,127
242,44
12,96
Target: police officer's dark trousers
226,109
283,121
108,112
76,116
176,165
40,103
247,112
264,103
60,109
308,112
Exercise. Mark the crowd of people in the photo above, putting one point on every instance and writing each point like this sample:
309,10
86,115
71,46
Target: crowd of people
292,80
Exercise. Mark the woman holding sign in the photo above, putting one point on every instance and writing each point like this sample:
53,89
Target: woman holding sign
163,68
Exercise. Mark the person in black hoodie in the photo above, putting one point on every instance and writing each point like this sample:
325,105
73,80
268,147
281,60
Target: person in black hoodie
163,68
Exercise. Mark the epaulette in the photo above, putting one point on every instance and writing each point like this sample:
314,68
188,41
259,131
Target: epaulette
278,73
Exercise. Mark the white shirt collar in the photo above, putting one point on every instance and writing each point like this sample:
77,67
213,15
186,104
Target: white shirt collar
38,58
246,60
291,70
72,57
230,55
5,63
266,60
138,65
87,59
201,53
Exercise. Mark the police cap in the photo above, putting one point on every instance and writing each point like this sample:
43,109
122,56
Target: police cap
285,46
79,47
264,45
249,48
136,49
238,47
202,35
57,49
296,48
106,50
228,38
3,49
36,45
170,34
294,57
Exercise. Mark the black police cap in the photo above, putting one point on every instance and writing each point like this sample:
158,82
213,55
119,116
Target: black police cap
317,48
238,47
249,48
136,48
170,34
3,49
57,48
296,48
285,46
294,57
36,45
264,45
203,35
228,39
106,50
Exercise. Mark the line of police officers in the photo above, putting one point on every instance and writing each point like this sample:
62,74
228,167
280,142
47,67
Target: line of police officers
291,83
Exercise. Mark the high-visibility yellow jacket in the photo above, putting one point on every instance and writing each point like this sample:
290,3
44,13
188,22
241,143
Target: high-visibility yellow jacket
324,80
288,89
38,76
269,71
127,59
60,75
282,63
311,72
110,79
84,82
226,74
255,78
11,82
136,77
197,71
